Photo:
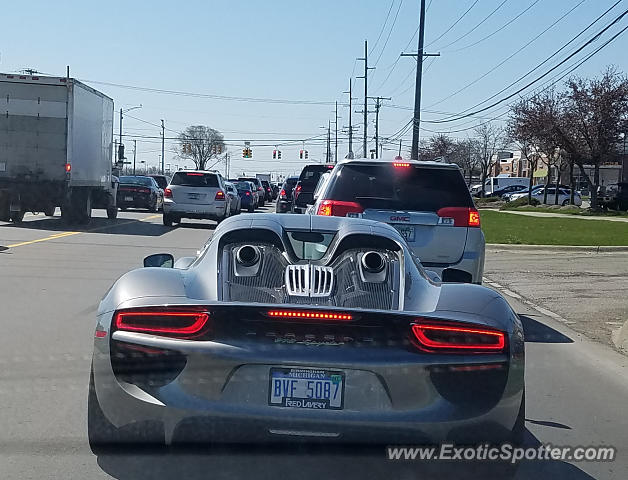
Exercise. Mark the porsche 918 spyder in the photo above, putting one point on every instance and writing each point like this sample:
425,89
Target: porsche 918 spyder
304,327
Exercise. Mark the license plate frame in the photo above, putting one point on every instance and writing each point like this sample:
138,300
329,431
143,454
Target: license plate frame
286,375
408,232
128,199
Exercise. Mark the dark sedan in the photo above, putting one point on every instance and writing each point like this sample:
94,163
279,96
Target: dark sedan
284,200
140,192
247,195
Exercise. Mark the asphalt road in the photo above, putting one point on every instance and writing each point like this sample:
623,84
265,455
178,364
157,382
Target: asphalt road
50,284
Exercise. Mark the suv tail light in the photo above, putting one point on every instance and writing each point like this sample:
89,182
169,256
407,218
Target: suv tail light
282,193
437,337
177,322
462,216
167,193
338,208
297,191
220,195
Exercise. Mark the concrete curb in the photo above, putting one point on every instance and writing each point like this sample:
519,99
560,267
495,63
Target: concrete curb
620,337
559,248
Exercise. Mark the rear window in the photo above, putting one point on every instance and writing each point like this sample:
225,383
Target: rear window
399,188
243,186
292,181
312,173
193,179
145,181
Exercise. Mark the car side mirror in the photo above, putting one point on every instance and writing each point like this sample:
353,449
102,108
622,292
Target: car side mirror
161,260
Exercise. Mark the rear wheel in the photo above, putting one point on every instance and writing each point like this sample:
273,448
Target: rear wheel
103,434
49,211
251,208
81,201
565,202
5,212
518,430
112,212
167,219
17,216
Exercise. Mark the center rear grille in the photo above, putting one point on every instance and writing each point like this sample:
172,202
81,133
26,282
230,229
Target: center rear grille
309,280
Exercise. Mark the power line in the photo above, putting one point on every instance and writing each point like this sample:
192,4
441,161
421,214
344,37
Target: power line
389,33
383,28
454,24
499,29
594,38
477,26
485,74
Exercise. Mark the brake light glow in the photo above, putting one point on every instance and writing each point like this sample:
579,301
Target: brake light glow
68,167
220,195
167,193
194,174
400,164
434,338
462,216
100,334
338,208
248,194
178,323
282,193
309,315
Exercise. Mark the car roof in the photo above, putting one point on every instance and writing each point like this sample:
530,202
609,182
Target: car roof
211,172
381,161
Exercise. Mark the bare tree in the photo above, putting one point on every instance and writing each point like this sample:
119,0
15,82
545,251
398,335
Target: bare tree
437,146
200,144
465,154
490,139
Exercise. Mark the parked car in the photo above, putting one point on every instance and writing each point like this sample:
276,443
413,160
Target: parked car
139,192
304,189
506,191
268,191
427,202
196,194
285,198
235,202
521,193
248,196
261,192
538,194
615,196
161,180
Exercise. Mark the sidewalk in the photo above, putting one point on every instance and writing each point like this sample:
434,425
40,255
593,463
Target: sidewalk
565,215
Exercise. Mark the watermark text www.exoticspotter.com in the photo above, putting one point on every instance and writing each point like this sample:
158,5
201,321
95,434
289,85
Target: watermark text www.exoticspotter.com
503,453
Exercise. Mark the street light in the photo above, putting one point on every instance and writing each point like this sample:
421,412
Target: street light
120,159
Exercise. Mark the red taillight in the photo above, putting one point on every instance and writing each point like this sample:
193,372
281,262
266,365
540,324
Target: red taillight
100,334
282,193
167,193
306,314
68,167
143,190
462,216
440,337
338,208
177,323
248,194
297,191
220,195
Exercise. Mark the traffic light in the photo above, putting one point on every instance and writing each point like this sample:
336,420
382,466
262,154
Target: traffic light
187,148
279,154
274,154
306,154
247,153
300,154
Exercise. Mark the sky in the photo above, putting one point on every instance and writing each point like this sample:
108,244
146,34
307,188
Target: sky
298,57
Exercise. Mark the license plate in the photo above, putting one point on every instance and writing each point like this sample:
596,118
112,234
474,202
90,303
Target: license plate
195,196
306,388
128,199
406,232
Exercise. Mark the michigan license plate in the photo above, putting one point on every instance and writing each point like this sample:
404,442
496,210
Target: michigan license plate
306,388
406,232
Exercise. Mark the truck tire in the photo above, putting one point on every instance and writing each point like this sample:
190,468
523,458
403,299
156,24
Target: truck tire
112,212
82,205
5,212
49,211
17,217
167,220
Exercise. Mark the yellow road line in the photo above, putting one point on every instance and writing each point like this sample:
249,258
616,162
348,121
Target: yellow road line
51,237
67,234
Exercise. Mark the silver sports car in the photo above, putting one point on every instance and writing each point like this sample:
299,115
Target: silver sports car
289,327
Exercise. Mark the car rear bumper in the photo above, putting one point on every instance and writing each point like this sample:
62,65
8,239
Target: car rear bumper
192,210
283,206
222,395
139,201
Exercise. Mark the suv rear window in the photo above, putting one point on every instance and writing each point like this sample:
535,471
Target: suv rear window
312,173
193,179
387,187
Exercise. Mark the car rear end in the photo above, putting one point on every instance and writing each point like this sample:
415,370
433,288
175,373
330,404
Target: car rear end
195,194
304,190
247,197
427,202
268,191
285,197
133,193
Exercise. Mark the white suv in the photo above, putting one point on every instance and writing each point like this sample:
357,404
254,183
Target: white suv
427,202
195,194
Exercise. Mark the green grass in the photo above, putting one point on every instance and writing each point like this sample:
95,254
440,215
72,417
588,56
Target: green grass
502,227
576,211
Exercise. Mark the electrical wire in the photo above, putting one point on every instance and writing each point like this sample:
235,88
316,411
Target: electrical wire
383,27
454,24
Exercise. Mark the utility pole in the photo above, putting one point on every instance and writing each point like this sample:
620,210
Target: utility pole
378,105
417,86
134,154
350,122
365,77
328,154
120,159
399,147
163,138
336,140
